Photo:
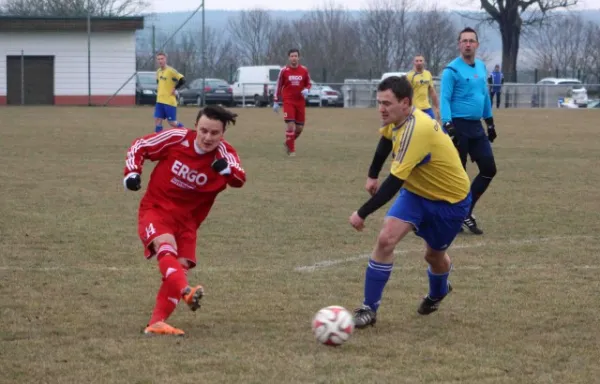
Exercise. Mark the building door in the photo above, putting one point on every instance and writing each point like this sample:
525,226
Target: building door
32,76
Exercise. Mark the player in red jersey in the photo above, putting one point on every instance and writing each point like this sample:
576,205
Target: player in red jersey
193,167
292,89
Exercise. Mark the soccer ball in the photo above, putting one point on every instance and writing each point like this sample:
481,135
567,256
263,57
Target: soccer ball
333,325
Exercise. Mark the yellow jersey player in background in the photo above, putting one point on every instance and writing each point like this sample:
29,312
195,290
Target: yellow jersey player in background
422,83
168,80
434,196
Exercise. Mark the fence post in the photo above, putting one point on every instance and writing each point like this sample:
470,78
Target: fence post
22,77
535,75
89,55
153,40
203,39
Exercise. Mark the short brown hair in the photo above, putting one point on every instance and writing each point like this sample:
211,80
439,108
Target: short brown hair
466,30
216,112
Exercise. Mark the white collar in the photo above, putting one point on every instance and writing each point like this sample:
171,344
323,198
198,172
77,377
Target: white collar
199,150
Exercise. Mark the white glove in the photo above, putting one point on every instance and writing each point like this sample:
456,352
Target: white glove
305,93
276,107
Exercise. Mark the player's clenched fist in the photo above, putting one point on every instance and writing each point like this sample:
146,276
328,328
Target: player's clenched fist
133,182
221,166
357,222
372,186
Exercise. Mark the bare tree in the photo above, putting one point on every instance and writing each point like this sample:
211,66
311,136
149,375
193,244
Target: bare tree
283,38
512,16
438,45
220,55
251,32
592,52
379,23
329,38
72,8
549,48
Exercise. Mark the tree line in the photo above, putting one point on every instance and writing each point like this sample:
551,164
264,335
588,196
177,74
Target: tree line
385,37
334,45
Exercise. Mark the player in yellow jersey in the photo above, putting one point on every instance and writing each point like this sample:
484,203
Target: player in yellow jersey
423,89
168,80
434,196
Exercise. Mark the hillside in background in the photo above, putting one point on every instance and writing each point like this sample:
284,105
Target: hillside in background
167,23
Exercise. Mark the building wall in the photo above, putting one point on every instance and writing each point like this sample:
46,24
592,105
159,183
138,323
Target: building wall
112,63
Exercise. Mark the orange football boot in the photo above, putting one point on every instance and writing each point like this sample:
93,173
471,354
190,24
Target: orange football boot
192,296
162,328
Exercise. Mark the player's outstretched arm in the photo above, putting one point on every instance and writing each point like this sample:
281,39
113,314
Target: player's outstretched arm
151,147
384,147
447,88
389,188
487,105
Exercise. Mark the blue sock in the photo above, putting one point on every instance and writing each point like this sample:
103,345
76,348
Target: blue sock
179,125
479,186
376,277
158,128
438,284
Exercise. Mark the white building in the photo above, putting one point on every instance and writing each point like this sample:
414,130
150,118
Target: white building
45,60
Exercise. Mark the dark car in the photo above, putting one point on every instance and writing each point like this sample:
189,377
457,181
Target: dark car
145,87
216,91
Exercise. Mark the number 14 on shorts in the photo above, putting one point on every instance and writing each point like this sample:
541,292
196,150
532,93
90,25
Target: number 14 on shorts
150,230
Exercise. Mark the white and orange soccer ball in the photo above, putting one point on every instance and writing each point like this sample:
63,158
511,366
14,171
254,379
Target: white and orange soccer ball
333,325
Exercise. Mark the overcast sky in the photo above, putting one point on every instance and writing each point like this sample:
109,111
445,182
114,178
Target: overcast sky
186,5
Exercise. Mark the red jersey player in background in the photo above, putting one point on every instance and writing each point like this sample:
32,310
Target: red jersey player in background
194,166
292,89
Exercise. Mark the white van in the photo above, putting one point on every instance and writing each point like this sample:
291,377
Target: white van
390,74
255,84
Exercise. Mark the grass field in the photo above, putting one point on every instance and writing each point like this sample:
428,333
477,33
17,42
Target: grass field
75,290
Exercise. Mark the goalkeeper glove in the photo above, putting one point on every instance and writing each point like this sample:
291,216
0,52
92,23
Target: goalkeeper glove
491,129
305,93
276,107
451,131
133,182
221,166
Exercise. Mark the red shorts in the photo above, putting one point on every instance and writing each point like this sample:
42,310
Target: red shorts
155,222
294,112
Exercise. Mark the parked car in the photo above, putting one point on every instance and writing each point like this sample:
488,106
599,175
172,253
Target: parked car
145,88
324,95
550,89
216,91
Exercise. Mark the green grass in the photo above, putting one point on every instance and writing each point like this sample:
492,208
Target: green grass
75,290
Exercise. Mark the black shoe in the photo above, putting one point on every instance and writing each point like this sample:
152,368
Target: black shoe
429,305
364,316
471,225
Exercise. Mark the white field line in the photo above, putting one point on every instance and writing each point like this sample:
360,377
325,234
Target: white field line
333,262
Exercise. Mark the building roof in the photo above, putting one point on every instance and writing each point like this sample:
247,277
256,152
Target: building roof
69,24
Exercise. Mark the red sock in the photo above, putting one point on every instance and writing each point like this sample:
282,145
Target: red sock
290,138
172,272
166,302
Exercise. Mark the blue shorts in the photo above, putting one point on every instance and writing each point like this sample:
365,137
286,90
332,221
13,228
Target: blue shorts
473,140
429,111
437,222
165,111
